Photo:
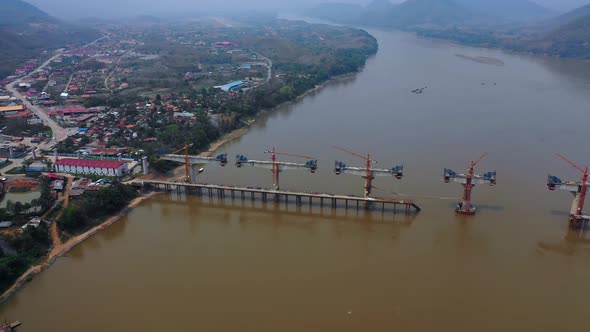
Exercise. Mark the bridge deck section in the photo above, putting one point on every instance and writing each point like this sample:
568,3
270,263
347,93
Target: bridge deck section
222,192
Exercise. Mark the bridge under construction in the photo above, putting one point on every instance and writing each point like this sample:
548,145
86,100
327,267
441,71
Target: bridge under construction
287,197
189,186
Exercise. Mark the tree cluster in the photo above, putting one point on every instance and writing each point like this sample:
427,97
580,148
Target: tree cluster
87,210
27,248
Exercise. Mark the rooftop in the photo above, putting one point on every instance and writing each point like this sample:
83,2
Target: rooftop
231,85
5,224
71,110
15,108
106,151
90,163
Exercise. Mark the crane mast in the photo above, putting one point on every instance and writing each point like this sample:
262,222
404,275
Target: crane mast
578,189
190,161
368,172
469,180
277,166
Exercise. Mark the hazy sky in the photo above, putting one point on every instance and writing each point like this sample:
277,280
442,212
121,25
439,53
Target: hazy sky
119,8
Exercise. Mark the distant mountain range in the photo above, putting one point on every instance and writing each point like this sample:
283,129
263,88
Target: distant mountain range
420,12
20,12
519,25
514,10
26,31
438,12
581,12
569,37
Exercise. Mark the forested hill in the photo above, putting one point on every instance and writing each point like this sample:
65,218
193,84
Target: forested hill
569,17
26,31
569,38
383,13
519,25
413,13
513,10
20,12
440,12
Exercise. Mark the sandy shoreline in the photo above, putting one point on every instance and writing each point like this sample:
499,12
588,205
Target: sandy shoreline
69,245
225,139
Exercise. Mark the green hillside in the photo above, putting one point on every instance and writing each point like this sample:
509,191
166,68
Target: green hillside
26,31
569,40
17,12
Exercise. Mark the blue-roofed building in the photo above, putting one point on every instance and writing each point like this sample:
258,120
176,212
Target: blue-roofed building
232,86
36,169
5,224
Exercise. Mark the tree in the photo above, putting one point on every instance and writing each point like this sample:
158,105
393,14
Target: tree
49,164
46,199
26,163
14,208
27,208
84,140
286,91
10,206
10,269
4,215
93,102
66,146
72,219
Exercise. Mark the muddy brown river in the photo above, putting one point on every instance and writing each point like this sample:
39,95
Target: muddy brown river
181,264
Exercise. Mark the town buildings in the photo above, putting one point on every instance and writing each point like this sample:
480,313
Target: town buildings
97,167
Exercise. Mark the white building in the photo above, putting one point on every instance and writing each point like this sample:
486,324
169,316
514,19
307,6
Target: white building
98,167
35,222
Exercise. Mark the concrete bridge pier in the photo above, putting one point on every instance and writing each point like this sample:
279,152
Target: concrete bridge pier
193,173
145,166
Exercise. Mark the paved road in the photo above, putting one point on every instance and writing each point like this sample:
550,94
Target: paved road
11,87
269,66
59,133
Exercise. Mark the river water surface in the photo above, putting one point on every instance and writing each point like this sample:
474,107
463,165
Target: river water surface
178,264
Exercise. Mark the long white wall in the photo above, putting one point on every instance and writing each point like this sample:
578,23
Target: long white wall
93,170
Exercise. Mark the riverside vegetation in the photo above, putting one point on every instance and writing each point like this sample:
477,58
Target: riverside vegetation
19,251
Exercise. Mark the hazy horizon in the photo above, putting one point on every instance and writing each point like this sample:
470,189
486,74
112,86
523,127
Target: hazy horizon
73,9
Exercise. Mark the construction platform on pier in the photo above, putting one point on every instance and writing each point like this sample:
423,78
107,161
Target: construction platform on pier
279,196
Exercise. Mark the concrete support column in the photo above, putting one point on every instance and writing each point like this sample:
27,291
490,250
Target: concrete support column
193,173
145,165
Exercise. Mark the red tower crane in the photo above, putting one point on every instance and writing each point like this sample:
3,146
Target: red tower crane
469,181
278,166
190,161
367,172
578,189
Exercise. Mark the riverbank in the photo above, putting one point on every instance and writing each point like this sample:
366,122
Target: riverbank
225,139
61,249
64,248
238,133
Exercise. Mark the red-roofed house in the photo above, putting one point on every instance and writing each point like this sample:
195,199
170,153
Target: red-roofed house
85,166
105,151
22,114
71,111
